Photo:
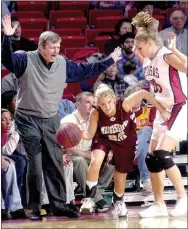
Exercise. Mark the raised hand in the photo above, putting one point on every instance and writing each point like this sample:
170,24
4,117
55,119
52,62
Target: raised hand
171,40
6,22
116,55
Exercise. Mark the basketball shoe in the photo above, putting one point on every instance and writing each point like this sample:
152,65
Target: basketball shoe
120,208
180,207
157,209
88,206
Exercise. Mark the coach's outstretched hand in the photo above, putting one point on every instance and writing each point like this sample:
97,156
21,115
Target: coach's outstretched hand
116,55
6,22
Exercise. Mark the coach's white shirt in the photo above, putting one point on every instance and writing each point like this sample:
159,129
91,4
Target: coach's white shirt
76,118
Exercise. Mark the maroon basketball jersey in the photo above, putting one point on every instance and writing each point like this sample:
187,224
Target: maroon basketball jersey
119,129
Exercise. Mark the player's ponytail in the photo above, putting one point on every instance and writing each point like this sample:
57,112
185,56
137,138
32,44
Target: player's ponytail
147,28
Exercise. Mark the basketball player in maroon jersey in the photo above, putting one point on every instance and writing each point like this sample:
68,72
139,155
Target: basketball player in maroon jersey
112,124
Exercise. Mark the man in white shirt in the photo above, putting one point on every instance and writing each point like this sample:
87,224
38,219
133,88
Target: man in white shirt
81,154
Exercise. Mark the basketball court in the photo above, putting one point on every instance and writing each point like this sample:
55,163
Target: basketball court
102,220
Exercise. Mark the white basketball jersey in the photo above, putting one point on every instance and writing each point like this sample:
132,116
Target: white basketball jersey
167,83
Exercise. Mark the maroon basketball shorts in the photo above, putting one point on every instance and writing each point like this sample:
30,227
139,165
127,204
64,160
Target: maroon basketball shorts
123,157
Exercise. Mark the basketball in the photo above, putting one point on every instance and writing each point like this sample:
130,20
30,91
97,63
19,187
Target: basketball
68,135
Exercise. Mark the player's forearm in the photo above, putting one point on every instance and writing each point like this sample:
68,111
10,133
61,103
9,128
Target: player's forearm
180,55
146,95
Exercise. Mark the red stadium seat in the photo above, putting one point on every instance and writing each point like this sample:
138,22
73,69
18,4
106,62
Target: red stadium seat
4,72
74,5
28,14
100,42
72,42
67,32
31,32
70,52
72,88
93,14
92,33
160,18
107,22
34,23
132,13
72,23
32,6
55,14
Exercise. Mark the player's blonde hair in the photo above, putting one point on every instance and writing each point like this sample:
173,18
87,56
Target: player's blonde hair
147,28
103,90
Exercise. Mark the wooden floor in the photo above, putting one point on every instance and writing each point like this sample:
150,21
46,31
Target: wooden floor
102,220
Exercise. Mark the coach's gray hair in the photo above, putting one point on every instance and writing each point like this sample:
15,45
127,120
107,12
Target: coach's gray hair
48,36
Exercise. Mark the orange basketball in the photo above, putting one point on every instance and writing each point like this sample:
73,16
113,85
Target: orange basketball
68,135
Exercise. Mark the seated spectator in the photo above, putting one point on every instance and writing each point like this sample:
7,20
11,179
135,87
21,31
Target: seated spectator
114,5
81,154
146,6
111,78
122,27
65,107
18,41
130,69
12,148
11,206
127,44
144,120
9,101
9,82
182,5
178,20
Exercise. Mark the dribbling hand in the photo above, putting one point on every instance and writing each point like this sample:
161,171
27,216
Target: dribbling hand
8,29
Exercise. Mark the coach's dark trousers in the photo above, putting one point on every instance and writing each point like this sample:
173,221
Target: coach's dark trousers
43,154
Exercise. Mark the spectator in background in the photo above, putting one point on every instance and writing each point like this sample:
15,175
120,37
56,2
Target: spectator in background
144,122
131,69
122,27
81,154
65,107
146,6
18,41
178,20
9,101
11,147
111,78
11,206
127,44
124,6
9,82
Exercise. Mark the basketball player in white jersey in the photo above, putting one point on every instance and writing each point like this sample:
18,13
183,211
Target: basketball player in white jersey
166,71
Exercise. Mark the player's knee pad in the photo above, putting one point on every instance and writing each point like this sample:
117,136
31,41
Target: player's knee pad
164,158
153,164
